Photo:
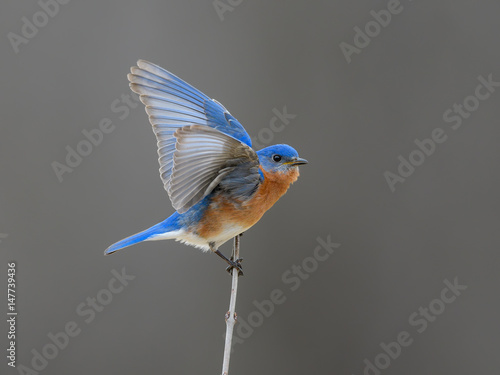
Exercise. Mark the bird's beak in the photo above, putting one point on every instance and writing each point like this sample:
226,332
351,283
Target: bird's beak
299,161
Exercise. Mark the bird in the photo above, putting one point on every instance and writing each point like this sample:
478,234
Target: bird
217,183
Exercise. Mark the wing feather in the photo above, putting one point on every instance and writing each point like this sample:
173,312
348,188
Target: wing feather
203,157
172,104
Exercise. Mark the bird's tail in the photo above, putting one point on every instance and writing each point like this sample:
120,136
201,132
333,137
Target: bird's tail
170,225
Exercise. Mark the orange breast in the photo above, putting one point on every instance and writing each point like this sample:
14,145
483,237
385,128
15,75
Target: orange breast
223,212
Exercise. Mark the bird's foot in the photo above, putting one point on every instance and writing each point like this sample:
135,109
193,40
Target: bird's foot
235,264
232,263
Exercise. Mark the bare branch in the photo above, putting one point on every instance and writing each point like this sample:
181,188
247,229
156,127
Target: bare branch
231,314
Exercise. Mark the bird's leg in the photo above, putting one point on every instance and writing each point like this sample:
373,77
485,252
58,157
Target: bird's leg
232,264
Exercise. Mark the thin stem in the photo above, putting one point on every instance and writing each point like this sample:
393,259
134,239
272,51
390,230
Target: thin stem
231,314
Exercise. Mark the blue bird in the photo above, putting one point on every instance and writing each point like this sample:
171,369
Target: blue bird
218,185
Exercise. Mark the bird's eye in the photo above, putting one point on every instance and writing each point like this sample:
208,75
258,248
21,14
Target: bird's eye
277,158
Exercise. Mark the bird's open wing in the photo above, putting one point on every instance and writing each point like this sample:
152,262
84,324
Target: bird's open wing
204,158
171,104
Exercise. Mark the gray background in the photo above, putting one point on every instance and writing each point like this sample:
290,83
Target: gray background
353,120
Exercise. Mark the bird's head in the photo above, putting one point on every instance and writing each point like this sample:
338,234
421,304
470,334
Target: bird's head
279,158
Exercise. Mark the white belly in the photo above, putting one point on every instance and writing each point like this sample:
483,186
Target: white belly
189,238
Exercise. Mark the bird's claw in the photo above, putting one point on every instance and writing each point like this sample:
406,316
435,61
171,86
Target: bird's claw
235,264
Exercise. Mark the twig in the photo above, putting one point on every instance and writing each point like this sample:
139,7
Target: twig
231,314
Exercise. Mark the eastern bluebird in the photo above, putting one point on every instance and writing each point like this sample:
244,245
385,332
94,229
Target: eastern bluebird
218,185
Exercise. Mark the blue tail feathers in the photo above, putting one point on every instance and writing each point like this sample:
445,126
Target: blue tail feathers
169,225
